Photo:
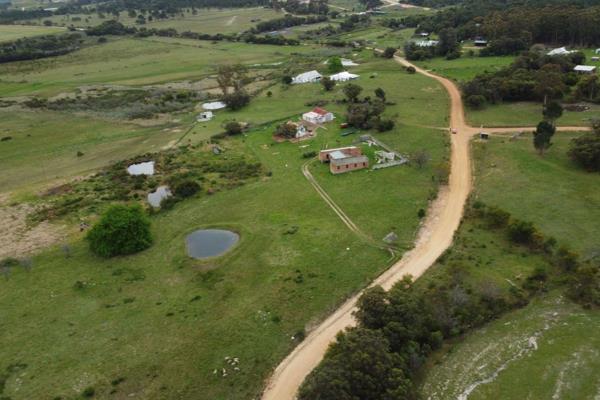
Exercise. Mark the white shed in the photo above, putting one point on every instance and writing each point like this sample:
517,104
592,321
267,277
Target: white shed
561,51
307,77
343,76
585,69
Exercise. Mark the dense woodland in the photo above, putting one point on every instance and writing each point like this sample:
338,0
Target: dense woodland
39,47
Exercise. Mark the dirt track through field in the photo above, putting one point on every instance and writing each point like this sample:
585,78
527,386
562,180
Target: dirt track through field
435,236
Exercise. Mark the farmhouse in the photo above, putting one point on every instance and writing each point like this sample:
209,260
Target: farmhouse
307,77
344,159
343,77
318,116
303,130
561,51
585,69
427,43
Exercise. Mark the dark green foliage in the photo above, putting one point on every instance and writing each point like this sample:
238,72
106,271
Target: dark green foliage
39,47
110,27
88,392
475,101
233,128
522,232
380,93
385,125
334,65
352,91
496,217
585,151
309,154
567,259
389,52
359,366
286,79
237,100
186,188
121,230
584,287
542,136
536,282
553,111
328,83
286,22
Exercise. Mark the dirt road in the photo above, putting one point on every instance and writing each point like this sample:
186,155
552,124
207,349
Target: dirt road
435,236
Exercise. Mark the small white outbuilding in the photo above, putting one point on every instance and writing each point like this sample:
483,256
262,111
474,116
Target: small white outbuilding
343,77
307,77
585,69
205,116
561,51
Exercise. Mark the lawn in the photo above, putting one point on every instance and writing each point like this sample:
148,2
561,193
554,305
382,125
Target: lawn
159,325
14,32
378,36
562,200
543,351
526,114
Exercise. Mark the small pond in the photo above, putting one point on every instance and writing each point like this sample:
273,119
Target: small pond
206,243
161,193
145,168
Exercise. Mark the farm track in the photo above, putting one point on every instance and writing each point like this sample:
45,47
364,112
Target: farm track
435,236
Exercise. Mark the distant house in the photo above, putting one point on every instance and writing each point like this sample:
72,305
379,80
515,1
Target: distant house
307,77
204,116
343,77
561,51
585,69
303,130
426,43
318,116
595,58
480,42
344,159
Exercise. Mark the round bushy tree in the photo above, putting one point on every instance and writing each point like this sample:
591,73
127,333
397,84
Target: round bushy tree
121,230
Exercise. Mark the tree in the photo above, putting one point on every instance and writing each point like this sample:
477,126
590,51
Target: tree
370,4
448,42
358,366
420,158
588,88
389,52
522,232
121,230
328,83
334,65
287,80
186,188
585,151
286,130
237,100
552,111
542,136
380,93
231,76
475,101
352,91
233,128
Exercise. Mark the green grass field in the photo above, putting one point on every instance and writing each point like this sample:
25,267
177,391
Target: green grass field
526,114
465,68
205,21
544,351
562,200
14,32
135,62
379,36
160,323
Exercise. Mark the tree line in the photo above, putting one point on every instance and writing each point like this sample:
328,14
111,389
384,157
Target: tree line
39,47
286,22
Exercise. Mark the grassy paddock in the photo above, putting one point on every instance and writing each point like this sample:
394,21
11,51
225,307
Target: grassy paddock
162,324
465,68
14,32
562,200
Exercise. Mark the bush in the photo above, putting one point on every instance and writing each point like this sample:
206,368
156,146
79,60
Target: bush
385,125
233,128
121,230
237,100
389,52
186,188
522,232
411,69
309,154
475,101
497,218
585,151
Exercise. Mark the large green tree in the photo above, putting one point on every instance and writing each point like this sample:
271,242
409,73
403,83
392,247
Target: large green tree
542,137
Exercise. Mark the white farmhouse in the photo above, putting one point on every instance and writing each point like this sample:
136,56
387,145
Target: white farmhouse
318,116
343,77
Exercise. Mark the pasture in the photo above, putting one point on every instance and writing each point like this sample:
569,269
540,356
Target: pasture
206,20
542,351
560,199
13,32
466,67
164,324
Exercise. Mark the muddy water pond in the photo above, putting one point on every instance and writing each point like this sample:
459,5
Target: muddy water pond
207,243
145,168
156,197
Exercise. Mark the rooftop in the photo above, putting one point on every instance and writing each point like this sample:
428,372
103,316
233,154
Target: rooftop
350,160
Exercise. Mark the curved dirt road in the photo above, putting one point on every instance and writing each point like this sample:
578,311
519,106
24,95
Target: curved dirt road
435,237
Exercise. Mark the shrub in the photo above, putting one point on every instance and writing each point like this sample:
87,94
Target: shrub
522,232
567,259
88,392
327,83
286,79
389,52
121,230
186,188
309,154
411,69
385,125
233,128
497,218
585,151
475,101
237,100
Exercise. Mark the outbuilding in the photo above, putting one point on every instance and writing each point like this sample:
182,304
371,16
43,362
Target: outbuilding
343,77
318,116
561,51
585,69
307,77
205,116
